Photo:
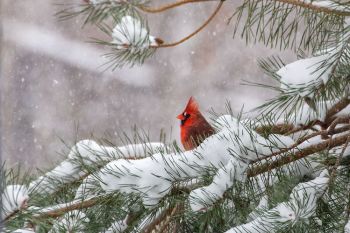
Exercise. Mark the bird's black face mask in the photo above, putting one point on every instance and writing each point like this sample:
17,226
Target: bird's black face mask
186,116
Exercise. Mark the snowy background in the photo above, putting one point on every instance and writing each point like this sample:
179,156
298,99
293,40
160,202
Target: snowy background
52,87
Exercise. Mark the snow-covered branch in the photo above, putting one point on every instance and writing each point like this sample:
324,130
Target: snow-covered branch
152,178
14,198
299,154
88,152
300,207
323,6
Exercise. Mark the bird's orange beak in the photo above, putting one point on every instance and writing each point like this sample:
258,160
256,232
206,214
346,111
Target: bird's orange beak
180,117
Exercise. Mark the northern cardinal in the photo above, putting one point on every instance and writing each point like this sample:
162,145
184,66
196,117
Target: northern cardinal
194,127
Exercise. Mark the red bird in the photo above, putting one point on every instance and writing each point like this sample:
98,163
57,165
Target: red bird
194,127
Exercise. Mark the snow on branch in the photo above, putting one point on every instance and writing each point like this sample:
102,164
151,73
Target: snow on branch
300,207
347,228
326,6
88,152
233,148
287,158
331,5
301,73
14,198
325,112
131,42
131,33
24,230
117,227
96,2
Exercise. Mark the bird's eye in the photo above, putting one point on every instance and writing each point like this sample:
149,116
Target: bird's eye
186,115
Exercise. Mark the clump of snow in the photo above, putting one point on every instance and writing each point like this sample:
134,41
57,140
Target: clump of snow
312,141
65,172
347,228
72,221
300,207
89,152
117,227
205,196
262,206
306,114
131,33
92,152
14,197
226,121
331,5
96,2
88,188
301,73
24,230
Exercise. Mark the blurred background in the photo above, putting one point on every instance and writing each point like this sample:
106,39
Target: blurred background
54,91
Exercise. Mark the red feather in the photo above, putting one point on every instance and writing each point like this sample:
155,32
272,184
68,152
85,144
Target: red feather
194,127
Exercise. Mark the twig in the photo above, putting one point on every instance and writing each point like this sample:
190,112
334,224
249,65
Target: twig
61,209
343,103
274,129
23,206
193,33
10,216
337,163
338,120
162,220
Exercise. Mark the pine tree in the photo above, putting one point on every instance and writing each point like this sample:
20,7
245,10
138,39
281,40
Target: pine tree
286,170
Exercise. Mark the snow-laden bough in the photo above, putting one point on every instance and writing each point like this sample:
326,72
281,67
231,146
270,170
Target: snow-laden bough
231,149
300,207
89,152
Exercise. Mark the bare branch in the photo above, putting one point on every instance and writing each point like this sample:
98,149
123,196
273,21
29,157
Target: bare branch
193,33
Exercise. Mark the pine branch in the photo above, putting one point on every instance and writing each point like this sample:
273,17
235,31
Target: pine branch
287,129
303,139
343,103
337,163
313,7
286,159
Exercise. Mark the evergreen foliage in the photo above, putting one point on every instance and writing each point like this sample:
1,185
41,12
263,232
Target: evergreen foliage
288,170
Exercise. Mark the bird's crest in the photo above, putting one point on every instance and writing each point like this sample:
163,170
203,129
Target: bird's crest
192,106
